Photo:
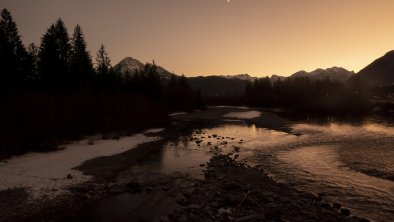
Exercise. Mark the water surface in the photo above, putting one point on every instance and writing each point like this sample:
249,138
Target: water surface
344,163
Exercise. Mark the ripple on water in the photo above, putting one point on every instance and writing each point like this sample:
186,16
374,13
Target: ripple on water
319,169
327,159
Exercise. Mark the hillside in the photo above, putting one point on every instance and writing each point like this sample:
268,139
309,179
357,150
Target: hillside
379,73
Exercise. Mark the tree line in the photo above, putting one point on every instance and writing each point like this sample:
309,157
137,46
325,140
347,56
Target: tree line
54,92
305,95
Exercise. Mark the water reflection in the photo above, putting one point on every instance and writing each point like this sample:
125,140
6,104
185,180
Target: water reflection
182,157
345,162
348,163
186,154
319,169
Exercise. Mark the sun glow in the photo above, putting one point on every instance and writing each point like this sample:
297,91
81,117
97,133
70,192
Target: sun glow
256,37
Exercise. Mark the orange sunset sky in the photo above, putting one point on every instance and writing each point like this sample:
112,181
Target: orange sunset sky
205,37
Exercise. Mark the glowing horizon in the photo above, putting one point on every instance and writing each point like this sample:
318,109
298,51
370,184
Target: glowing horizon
205,37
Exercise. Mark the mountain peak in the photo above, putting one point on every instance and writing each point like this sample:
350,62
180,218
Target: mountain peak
126,59
128,64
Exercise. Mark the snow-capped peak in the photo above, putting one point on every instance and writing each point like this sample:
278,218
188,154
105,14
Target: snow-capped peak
246,77
128,64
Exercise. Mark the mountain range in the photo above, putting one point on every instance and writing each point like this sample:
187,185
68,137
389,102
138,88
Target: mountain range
378,73
334,74
245,76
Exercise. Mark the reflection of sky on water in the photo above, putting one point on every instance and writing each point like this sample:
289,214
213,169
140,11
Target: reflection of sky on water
326,158
185,155
339,160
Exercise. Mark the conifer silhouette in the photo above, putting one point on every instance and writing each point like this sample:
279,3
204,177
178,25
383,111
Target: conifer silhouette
81,62
13,55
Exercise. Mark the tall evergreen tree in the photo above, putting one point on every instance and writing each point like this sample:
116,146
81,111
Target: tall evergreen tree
33,52
55,53
12,52
64,48
48,54
103,63
81,62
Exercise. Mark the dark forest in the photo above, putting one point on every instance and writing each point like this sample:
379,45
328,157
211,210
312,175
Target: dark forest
52,93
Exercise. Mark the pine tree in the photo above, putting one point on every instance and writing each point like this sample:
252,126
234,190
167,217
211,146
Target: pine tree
64,49
81,62
103,63
33,52
13,54
48,55
55,53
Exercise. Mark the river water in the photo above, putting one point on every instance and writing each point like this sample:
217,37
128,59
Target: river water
351,164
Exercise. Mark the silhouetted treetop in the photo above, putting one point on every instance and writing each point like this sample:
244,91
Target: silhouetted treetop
55,51
13,54
81,62
33,53
103,62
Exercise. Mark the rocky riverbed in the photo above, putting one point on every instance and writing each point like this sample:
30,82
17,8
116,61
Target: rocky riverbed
233,191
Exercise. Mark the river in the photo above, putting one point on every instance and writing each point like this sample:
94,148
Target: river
346,162
343,162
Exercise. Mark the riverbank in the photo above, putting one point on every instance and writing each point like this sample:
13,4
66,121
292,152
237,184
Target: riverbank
231,191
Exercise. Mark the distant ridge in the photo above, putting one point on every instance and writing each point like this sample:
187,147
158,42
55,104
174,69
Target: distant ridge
334,74
246,77
225,85
379,73
234,85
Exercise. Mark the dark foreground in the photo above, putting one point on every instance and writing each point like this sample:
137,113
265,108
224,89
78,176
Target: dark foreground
233,191
227,189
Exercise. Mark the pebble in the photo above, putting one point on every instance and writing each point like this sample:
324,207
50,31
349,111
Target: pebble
336,205
345,211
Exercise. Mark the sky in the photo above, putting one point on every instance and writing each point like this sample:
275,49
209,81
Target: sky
214,37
